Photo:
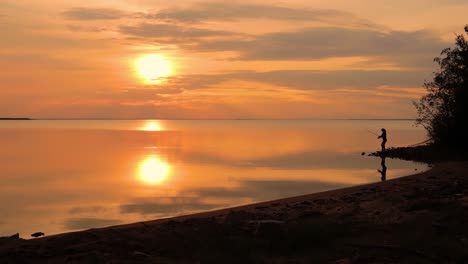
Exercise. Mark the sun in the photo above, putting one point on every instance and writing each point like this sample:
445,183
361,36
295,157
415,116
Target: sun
151,68
153,171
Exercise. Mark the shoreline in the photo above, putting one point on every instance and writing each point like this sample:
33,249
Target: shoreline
208,213
361,223
14,118
249,206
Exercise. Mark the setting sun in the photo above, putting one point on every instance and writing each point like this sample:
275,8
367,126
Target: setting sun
152,67
153,171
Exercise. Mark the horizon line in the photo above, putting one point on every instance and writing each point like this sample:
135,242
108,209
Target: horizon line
214,119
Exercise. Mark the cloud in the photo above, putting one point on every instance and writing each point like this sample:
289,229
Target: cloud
95,29
138,96
42,59
229,11
454,2
400,48
85,223
308,80
403,92
245,93
242,94
83,13
405,48
142,94
170,31
319,43
325,80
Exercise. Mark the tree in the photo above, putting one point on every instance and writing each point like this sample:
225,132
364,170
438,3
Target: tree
443,111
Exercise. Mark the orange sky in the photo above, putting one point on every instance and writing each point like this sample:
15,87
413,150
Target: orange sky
220,59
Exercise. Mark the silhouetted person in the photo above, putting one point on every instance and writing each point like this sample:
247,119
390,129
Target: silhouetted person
384,138
383,171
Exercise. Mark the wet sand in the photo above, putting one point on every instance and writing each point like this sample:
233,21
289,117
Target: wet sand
415,219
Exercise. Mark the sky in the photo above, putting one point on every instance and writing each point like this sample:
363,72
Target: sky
152,59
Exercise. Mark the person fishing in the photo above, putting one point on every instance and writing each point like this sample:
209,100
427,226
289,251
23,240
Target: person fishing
384,138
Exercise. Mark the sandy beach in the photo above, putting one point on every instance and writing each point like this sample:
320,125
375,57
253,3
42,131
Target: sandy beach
415,219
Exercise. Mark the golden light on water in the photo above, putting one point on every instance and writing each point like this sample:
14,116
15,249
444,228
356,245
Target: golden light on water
153,171
152,126
151,68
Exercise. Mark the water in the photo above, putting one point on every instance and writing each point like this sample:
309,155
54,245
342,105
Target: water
64,175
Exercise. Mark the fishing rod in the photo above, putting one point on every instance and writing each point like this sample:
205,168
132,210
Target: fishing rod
372,132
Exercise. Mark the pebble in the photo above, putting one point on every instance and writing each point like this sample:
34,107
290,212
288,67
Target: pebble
37,234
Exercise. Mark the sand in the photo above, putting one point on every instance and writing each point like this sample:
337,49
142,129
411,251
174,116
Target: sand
415,219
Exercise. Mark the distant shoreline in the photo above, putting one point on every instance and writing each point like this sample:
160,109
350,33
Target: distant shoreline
14,118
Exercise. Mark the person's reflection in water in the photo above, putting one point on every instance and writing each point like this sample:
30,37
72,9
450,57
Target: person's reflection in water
383,171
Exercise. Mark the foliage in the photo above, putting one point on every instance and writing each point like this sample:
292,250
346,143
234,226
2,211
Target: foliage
443,110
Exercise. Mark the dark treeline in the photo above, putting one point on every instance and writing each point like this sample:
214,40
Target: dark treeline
443,111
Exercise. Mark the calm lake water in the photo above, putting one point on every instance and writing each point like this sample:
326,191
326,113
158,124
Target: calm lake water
60,176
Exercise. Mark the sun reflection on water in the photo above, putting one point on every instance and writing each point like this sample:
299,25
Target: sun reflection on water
152,126
153,171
